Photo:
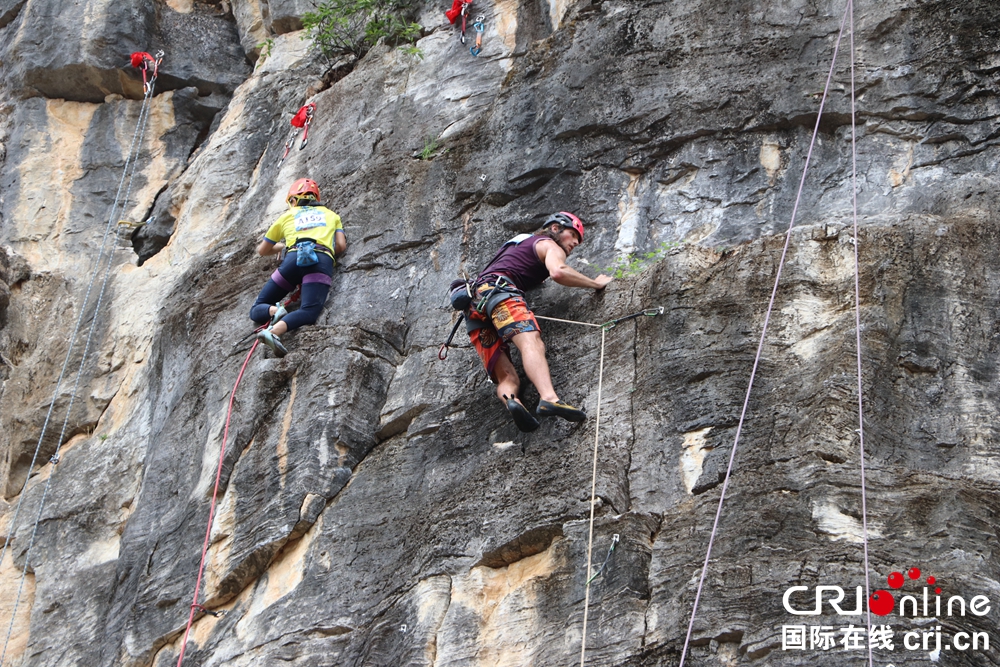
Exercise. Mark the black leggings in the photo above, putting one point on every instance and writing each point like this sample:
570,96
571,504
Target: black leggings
315,281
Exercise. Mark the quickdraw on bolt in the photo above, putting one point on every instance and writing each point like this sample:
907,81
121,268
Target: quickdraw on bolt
465,13
126,228
649,312
148,64
300,121
218,614
480,26
614,541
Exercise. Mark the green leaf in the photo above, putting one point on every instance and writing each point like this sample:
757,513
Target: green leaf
354,26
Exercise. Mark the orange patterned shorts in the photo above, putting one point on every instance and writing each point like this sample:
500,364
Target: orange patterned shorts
510,317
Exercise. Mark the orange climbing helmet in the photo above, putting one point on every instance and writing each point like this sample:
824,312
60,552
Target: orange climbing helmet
567,220
304,188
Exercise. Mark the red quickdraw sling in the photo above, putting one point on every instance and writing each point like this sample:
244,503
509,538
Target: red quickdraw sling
300,121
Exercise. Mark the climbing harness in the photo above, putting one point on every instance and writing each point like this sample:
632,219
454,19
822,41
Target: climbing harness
300,121
195,606
482,297
611,550
491,291
463,292
848,13
479,27
117,209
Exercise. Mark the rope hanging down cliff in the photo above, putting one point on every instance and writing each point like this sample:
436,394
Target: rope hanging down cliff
848,13
605,327
117,208
195,606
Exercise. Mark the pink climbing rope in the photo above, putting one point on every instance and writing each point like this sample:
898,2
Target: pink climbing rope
857,332
760,345
211,512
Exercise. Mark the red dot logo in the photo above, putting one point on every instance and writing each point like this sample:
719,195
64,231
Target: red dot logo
931,581
914,573
881,603
896,580
938,591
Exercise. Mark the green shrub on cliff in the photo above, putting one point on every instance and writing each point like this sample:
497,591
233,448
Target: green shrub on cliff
631,265
355,26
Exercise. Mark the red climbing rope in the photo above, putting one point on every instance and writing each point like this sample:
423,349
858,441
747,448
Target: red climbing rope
211,512
763,334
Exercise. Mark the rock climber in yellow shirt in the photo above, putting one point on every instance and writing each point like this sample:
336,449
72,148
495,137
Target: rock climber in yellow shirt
313,235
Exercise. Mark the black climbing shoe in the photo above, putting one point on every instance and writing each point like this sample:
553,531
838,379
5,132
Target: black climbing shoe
567,412
272,342
525,422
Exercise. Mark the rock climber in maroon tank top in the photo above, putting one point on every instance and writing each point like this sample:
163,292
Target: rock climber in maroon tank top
499,314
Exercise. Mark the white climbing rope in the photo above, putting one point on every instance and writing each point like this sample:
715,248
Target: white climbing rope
556,319
649,312
593,500
857,332
848,11
128,174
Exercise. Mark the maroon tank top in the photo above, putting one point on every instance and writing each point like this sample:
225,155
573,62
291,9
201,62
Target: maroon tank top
519,263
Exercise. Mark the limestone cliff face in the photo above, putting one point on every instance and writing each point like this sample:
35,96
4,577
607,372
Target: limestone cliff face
378,506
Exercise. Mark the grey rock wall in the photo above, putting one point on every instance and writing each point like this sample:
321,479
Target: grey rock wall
377,506
80,51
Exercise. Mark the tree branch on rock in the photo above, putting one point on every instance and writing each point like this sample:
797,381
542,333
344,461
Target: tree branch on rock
355,26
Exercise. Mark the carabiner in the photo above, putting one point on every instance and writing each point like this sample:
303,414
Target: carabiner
480,26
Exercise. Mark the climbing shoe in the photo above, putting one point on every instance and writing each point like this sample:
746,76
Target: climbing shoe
278,314
525,422
272,342
567,412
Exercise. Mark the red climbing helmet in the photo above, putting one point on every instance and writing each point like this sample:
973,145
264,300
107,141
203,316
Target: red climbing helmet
304,188
567,220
